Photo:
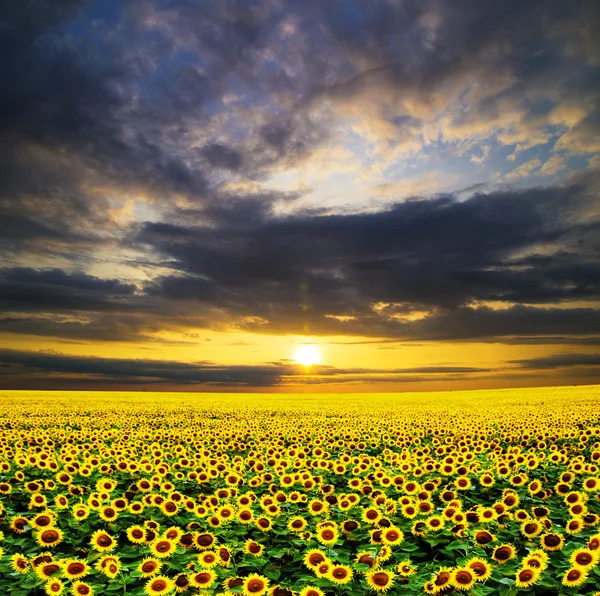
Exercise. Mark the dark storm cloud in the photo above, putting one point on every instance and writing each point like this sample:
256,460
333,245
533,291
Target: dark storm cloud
439,257
560,361
54,290
131,93
18,362
121,102
169,101
33,365
221,156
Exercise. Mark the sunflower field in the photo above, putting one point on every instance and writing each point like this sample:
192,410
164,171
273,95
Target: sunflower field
487,492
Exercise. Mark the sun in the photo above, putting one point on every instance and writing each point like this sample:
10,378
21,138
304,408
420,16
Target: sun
307,354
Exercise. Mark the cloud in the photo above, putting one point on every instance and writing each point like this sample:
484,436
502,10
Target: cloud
421,269
442,253
524,170
21,366
560,361
553,165
54,290
153,134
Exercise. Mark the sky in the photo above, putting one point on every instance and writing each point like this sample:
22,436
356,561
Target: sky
190,190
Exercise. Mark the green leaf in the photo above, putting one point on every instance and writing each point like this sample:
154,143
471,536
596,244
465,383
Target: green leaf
273,573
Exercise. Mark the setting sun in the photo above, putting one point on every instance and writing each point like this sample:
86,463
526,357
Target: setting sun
307,354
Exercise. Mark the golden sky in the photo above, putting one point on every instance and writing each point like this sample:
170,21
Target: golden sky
191,191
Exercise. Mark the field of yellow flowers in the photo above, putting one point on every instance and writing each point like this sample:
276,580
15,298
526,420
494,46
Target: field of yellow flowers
489,492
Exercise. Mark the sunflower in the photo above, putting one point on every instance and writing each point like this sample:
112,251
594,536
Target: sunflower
463,483
107,563
61,501
313,558
101,541
483,538
533,562
297,524
108,513
541,555
371,515
45,519
105,485
574,526
208,559
349,525
591,519
591,484
551,542
80,512
385,553
531,529
480,568
253,548
504,553
205,541
75,569
19,563
311,591
182,583
149,567
48,570
487,480
323,569
487,514
136,534
419,528
392,536
203,579
409,511
578,510
574,497
380,580
435,523
317,507
583,558
111,567
158,585
425,507
441,580
264,524
594,542
521,515
81,589
463,578
50,537
526,577
54,587
37,500
340,574
327,536
136,508
255,585
163,548
366,557
245,516
40,559
405,568
574,577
